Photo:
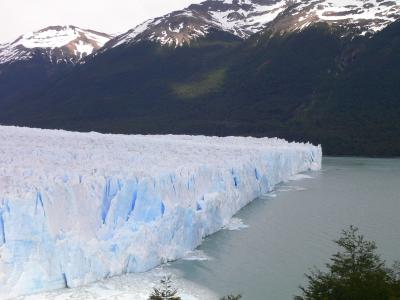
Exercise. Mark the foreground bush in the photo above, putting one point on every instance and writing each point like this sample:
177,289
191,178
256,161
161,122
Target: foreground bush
354,273
232,297
165,291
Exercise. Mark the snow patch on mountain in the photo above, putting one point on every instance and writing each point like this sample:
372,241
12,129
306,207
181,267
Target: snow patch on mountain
247,19
378,13
49,38
79,207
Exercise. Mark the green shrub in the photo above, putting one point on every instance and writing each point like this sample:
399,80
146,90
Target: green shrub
354,273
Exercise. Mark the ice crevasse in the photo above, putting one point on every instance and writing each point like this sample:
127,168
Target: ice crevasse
80,207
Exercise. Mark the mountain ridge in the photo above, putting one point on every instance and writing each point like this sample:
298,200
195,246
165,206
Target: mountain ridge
244,18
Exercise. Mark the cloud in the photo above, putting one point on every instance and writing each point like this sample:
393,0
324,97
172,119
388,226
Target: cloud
111,16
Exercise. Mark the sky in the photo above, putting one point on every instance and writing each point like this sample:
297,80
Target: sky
111,16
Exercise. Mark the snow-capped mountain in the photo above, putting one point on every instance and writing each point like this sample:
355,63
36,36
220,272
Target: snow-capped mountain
58,44
246,17
239,17
354,17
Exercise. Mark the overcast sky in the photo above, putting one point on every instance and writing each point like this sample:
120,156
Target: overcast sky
110,16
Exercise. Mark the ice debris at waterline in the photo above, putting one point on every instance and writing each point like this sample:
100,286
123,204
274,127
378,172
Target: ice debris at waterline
79,207
133,286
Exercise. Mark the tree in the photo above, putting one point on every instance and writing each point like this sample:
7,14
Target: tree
354,273
165,292
232,297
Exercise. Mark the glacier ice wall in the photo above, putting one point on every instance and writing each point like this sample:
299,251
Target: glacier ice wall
79,207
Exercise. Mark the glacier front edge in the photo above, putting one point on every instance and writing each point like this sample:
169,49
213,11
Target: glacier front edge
79,207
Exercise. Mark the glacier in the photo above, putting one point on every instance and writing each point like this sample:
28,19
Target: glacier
76,208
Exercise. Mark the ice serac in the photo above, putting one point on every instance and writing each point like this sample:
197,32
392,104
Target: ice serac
79,207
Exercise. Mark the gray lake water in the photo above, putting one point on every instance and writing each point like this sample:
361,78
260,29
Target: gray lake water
292,230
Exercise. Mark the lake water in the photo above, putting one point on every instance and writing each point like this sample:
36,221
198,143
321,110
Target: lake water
288,232
293,230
